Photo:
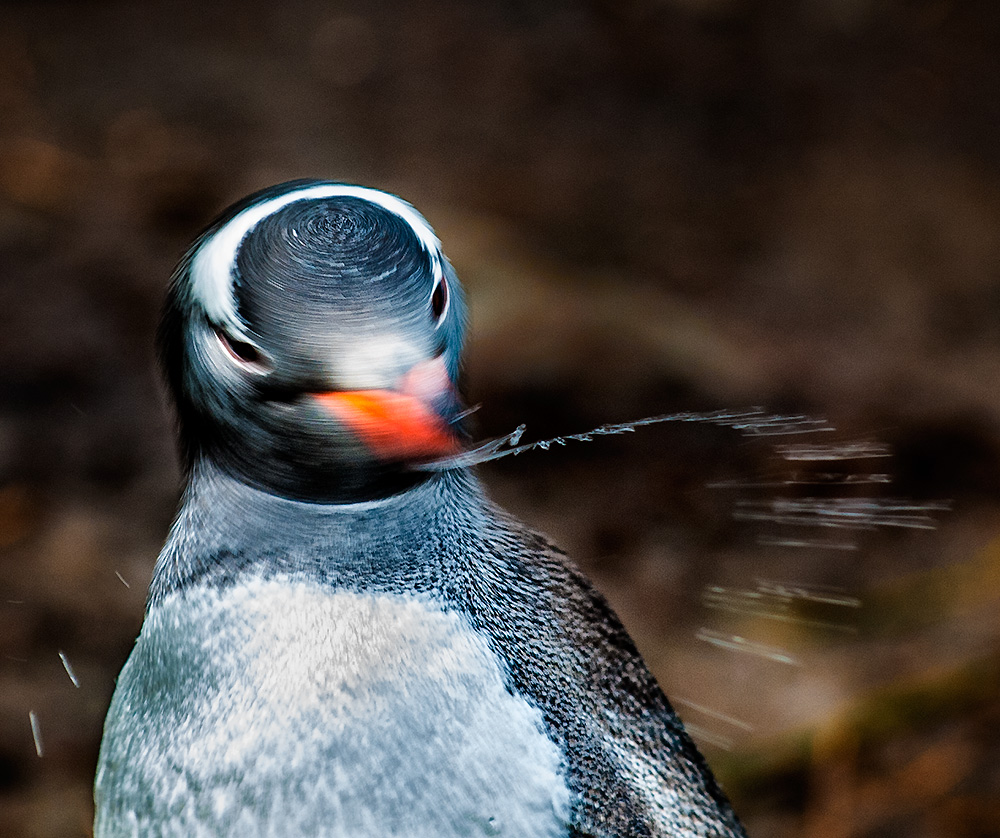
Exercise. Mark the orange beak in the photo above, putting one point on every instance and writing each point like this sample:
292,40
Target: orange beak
397,425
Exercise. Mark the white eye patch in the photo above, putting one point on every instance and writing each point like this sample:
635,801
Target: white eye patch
211,272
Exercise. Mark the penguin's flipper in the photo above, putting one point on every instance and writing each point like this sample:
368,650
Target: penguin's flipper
632,767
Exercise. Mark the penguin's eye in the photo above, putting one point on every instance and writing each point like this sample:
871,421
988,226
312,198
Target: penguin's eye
439,300
245,353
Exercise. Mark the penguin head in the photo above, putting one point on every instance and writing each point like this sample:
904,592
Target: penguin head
311,340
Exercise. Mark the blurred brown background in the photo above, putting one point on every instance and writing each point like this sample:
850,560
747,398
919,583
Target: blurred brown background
656,206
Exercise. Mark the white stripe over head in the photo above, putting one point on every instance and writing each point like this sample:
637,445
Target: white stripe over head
213,263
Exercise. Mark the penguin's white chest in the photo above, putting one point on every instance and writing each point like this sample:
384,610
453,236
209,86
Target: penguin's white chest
280,708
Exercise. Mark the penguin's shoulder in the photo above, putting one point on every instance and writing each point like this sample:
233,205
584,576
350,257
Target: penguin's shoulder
632,765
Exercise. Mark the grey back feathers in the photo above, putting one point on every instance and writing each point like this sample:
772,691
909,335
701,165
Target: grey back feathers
338,645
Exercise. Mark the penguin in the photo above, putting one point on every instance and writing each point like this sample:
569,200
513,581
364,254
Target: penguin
338,641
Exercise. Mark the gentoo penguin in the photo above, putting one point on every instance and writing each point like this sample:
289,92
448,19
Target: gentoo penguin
338,644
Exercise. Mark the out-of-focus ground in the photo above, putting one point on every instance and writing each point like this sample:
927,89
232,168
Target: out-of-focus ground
656,206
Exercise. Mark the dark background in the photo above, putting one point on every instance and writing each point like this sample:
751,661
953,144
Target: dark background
655,206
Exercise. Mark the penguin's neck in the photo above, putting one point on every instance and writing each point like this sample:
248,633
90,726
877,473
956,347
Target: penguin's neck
227,530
